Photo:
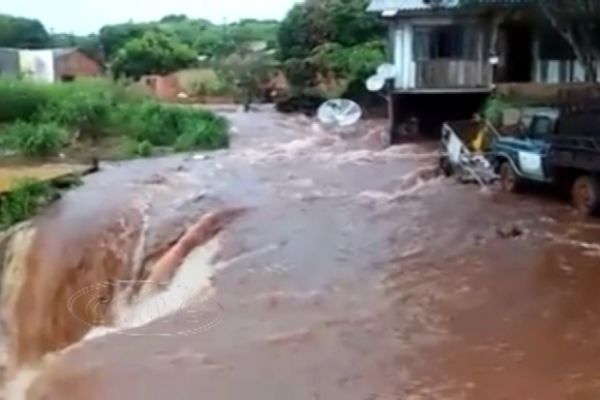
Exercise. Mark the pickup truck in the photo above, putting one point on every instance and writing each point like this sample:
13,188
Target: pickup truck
555,148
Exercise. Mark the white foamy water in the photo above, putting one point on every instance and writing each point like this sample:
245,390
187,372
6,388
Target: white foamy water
192,283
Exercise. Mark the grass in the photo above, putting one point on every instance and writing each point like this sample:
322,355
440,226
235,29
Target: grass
24,201
133,148
41,120
35,139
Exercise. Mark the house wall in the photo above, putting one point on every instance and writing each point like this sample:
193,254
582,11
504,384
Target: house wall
9,63
437,74
76,64
554,69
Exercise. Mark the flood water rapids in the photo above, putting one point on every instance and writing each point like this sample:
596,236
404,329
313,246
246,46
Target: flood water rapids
300,264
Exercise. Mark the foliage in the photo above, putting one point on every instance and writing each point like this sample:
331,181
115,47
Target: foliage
356,62
324,41
203,37
22,33
138,149
300,72
20,100
114,37
162,125
153,53
203,82
35,139
248,71
83,105
42,117
494,107
317,22
90,44
23,201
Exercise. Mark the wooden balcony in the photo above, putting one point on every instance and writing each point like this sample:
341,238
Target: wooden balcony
452,74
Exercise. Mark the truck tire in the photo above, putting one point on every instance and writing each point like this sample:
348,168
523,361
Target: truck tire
509,180
586,195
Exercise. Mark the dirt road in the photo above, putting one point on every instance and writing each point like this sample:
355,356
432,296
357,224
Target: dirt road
356,273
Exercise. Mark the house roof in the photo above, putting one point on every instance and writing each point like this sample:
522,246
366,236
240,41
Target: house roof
60,52
424,5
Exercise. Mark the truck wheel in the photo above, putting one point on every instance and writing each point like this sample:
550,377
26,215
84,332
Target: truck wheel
586,195
509,180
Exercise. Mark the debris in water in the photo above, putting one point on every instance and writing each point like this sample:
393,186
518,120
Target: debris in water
510,231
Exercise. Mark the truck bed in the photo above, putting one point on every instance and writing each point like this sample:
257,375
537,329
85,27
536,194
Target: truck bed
579,152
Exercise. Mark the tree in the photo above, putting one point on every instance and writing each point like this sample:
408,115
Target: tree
90,44
22,33
316,22
114,37
248,70
331,41
153,53
578,22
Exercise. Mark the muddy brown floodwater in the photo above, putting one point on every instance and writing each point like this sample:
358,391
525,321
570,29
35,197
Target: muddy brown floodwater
353,272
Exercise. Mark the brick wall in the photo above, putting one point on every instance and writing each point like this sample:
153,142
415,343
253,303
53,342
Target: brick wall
76,64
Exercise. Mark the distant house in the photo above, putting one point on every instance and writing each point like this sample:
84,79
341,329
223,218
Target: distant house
72,63
443,48
49,65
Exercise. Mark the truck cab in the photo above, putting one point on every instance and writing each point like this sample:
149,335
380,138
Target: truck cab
520,152
551,146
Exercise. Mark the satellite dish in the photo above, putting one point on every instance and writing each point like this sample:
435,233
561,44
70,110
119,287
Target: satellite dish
339,112
386,71
375,83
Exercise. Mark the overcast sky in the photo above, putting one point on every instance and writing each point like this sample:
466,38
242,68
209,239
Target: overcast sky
86,16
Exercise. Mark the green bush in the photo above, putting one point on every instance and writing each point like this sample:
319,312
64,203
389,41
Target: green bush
163,125
20,100
205,134
138,149
23,201
39,118
35,139
83,106
495,106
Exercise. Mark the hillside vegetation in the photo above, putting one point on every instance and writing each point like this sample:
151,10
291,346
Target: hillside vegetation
45,120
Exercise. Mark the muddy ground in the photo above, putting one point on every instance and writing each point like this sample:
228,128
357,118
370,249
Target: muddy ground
356,273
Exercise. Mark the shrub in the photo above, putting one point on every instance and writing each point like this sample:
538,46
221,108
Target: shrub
495,106
40,117
163,125
35,139
20,100
23,201
205,134
138,149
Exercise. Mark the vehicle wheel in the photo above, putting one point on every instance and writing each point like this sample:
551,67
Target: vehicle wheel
446,166
509,180
586,195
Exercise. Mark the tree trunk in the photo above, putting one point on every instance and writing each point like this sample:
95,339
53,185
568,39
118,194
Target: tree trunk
584,54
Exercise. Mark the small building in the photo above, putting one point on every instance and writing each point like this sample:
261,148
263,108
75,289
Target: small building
453,53
49,65
72,63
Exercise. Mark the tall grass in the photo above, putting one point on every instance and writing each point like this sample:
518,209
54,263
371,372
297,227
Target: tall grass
165,125
40,119
35,139
23,201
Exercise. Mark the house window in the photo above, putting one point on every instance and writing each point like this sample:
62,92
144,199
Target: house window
444,42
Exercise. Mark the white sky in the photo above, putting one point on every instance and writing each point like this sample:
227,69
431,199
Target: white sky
87,16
